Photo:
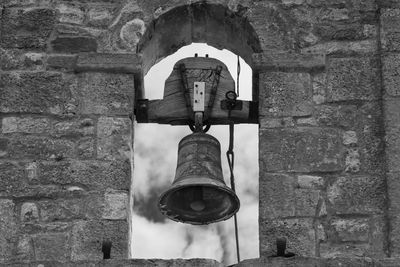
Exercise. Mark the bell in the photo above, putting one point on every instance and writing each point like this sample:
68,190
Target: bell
199,194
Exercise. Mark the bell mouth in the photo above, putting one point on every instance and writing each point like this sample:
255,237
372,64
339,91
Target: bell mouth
199,202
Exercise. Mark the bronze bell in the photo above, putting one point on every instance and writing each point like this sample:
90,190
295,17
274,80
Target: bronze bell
199,194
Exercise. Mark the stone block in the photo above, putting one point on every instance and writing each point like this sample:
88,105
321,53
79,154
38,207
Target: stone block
391,73
61,62
74,44
88,237
277,196
70,13
52,246
356,230
32,125
343,47
121,63
280,198
39,147
392,129
100,15
301,150
339,116
106,93
346,250
393,187
91,175
394,236
12,177
27,28
285,94
390,33
115,205
299,233
35,92
114,138
29,212
357,195
85,148
310,181
85,206
16,59
287,62
353,79
8,229
73,128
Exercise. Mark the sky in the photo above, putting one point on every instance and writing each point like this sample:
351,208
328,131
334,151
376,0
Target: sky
155,236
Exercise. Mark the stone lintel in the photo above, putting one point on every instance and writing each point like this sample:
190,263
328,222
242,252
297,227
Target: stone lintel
104,62
288,61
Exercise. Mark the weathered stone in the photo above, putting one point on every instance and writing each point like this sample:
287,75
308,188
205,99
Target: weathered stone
350,138
351,229
278,199
12,176
27,28
131,33
394,236
287,62
392,123
310,181
39,147
73,128
88,237
8,228
114,138
87,206
299,233
306,121
13,59
125,63
390,34
115,205
352,160
93,175
301,150
353,79
319,88
348,250
70,13
268,122
282,199
29,212
357,194
24,249
285,94
39,92
25,125
341,116
85,148
74,44
54,246
344,47
100,15
106,93
61,62
391,73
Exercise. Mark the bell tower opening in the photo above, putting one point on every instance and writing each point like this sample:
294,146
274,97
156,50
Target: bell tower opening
156,148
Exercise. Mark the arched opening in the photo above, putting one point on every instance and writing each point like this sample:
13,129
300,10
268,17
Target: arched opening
222,28
155,161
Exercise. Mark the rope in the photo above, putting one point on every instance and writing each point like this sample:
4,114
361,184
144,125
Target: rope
231,160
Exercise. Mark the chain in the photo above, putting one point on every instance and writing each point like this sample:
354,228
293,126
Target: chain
230,155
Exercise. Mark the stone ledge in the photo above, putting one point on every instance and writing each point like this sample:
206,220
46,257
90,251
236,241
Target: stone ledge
121,263
258,262
288,62
103,62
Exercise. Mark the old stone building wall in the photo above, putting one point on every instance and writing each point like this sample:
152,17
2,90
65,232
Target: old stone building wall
327,79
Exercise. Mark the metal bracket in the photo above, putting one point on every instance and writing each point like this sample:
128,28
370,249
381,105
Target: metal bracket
231,105
198,96
141,110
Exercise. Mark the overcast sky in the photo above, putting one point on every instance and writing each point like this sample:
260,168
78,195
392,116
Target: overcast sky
155,162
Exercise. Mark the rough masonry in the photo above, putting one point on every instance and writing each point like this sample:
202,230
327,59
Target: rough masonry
327,79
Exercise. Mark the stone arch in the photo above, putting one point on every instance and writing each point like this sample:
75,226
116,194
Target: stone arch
214,24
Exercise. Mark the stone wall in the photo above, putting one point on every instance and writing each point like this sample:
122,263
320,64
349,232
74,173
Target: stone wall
326,75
